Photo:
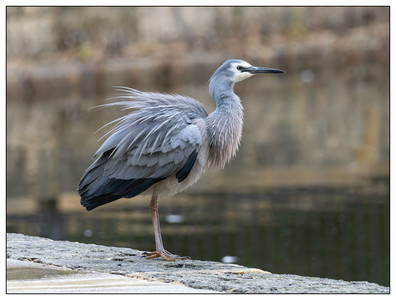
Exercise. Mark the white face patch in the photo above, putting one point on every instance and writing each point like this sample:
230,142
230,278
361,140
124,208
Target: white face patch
239,76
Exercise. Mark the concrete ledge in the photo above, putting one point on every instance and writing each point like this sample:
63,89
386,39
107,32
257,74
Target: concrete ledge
29,277
98,268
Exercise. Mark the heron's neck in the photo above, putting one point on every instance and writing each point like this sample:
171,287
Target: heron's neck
224,126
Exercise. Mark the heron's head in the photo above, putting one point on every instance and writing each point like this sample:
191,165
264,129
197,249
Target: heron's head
237,70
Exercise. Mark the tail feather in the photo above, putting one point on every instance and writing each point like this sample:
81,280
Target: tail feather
113,190
95,189
91,203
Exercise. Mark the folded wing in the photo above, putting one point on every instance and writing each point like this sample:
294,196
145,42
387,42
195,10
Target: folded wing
156,140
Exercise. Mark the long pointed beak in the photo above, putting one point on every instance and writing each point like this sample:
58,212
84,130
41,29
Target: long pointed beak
257,70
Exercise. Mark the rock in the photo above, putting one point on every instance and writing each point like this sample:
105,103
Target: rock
208,275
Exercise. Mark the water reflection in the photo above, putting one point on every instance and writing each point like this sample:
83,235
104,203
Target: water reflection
330,138
322,126
335,233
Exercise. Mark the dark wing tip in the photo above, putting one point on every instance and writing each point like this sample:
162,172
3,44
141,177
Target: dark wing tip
186,169
115,189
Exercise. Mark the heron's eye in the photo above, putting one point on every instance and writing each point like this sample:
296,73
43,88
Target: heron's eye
240,68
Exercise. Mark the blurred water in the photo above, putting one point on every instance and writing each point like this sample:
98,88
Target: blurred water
334,233
323,126
308,192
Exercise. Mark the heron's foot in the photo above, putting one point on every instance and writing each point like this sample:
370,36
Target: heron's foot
166,255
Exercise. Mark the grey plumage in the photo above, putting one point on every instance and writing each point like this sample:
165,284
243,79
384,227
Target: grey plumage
154,141
165,142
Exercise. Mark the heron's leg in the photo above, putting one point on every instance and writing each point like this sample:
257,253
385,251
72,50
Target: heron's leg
159,247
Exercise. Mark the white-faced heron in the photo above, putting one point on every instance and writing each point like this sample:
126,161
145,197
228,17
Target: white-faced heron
165,143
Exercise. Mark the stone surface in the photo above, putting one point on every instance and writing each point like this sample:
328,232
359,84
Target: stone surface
29,277
205,275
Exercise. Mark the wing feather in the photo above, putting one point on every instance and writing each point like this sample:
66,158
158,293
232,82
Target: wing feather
156,140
